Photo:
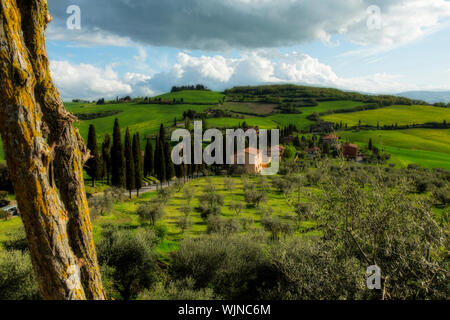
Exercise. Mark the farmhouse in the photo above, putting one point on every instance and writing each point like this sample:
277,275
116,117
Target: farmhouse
254,160
332,140
350,152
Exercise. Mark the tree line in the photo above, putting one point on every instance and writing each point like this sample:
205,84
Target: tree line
125,165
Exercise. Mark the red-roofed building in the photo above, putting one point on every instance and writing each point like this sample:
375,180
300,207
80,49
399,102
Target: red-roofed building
254,160
331,139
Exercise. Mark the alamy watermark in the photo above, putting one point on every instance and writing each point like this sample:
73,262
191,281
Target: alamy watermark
267,160
374,20
73,22
374,278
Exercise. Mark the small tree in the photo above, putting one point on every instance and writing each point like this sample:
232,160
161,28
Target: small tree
4,215
151,212
188,195
228,183
184,222
186,210
237,207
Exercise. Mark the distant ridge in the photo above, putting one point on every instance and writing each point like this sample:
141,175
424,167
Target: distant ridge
427,96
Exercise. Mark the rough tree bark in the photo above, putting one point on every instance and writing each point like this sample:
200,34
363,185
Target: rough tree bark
42,145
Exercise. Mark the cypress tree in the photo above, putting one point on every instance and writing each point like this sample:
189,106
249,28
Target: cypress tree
370,144
162,132
117,158
161,174
137,157
106,157
129,163
156,158
170,170
93,165
148,159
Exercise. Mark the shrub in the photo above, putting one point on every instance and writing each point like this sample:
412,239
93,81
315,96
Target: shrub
116,194
442,196
217,224
184,222
131,259
177,290
16,240
4,215
17,280
235,266
100,205
277,227
210,204
151,212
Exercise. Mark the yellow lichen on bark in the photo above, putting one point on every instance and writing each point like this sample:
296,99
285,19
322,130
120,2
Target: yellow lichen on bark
56,221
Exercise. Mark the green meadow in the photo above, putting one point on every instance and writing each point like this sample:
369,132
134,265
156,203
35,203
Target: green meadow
194,96
427,147
124,213
142,118
401,115
302,121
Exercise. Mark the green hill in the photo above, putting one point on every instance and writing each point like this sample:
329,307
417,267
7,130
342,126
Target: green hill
272,106
427,147
194,96
402,115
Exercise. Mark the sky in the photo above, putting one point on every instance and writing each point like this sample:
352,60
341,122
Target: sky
144,47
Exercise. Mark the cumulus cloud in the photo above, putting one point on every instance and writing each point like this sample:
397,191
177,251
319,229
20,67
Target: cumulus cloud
219,73
86,81
219,24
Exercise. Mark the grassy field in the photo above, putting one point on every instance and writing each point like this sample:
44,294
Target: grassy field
223,123
124,213
402,115
427,147
301,121
142,118
194,96
146,118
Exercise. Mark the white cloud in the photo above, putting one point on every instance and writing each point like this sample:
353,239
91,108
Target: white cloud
264,66
218,72
87,81
86,37
402,22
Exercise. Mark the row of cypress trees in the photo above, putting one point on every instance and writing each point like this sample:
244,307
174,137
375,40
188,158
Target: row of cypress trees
124,165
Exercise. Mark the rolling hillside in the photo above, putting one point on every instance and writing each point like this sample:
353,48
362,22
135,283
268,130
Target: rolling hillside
258,107
401,115
194,96
428,147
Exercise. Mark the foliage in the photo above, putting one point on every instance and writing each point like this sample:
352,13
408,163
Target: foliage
177,290
131,259
233,266
151,212
17,280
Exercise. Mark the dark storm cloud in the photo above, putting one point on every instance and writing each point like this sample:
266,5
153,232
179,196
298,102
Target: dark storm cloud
218,24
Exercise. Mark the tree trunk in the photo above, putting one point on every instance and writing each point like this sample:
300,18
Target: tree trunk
38,134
